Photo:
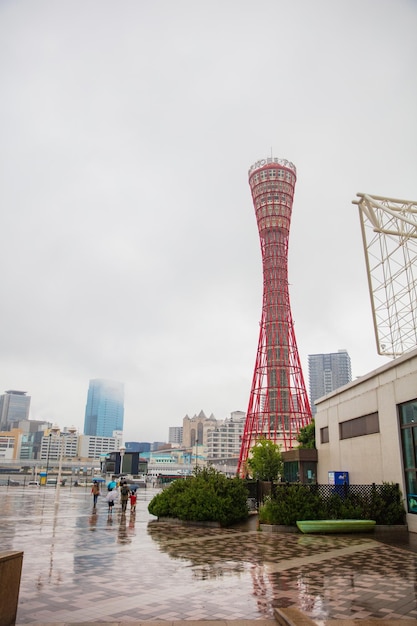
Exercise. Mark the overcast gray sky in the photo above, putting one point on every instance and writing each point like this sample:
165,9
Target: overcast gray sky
129,246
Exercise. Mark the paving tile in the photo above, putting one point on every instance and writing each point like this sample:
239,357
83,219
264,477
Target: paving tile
81,568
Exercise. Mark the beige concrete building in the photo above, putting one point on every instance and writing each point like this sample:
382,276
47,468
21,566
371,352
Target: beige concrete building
195,429
10,442
224,441
368,428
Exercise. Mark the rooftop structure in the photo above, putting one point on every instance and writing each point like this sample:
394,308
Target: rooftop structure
389,235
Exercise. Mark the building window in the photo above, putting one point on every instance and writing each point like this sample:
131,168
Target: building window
324,435
359,426
408,424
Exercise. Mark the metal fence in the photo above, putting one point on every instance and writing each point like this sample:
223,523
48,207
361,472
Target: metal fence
373,501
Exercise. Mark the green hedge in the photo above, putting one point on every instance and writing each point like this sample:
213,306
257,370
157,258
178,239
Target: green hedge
207,496
299,502
291,504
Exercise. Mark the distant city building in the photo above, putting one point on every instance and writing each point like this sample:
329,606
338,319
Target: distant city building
157,445
70,445
56,445
195,429
10,444
224,441
175,435
327,372
137,446
31,441
34,426
104,412
96,447
14,406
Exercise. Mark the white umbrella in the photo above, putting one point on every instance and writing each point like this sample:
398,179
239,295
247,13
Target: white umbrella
112,496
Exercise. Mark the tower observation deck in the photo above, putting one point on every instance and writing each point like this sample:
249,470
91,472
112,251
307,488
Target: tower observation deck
278,403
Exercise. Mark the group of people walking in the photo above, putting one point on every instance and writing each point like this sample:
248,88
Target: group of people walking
126,494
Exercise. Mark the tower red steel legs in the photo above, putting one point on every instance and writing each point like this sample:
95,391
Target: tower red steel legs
278,404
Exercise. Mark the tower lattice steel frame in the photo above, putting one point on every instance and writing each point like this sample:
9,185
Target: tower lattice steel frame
278,404
389,236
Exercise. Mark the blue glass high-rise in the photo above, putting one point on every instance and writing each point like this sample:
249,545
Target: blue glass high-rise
104,411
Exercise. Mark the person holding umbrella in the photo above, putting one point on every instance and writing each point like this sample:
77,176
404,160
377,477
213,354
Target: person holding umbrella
95,490
110,499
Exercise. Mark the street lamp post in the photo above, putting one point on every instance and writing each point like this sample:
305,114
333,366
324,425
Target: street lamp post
47,454
196,453
58,480
122,453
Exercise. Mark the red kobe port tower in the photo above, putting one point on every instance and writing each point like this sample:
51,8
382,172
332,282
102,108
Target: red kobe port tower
278,403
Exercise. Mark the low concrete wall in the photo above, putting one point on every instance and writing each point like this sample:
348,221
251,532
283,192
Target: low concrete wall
179,522
10,573
395,530
276,528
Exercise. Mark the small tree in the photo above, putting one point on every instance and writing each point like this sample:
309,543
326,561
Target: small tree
307,436
266,461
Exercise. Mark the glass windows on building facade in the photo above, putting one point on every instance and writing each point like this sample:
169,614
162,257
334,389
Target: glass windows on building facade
104,411
327,372
408,424
359,426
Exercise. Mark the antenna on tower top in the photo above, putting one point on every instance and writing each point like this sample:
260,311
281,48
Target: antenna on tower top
271,152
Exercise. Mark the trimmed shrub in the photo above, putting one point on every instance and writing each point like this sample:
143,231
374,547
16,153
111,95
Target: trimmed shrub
207,496
382,503
291,503
387,506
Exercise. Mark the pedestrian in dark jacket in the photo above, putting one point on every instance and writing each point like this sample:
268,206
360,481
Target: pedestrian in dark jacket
124,496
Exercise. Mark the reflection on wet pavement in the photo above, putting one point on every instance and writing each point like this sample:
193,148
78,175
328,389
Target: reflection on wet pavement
82,565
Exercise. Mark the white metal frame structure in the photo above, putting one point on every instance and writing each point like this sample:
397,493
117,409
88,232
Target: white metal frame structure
389,234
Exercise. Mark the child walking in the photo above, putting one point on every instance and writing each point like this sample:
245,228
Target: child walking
133,500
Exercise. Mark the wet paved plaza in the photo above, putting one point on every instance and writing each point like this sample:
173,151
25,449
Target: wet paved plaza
84,567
